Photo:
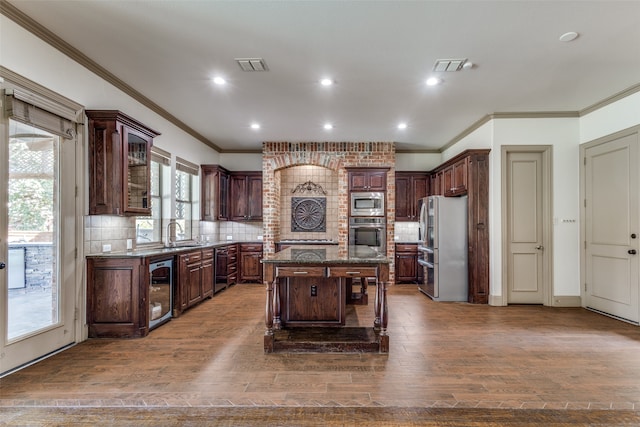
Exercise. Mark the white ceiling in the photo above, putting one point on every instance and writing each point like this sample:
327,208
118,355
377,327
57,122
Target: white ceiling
379,52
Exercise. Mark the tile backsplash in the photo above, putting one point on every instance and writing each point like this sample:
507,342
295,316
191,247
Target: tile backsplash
406,231
111,230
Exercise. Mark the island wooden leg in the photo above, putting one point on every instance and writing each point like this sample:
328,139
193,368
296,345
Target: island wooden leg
384,318
277,323
376,321
268,319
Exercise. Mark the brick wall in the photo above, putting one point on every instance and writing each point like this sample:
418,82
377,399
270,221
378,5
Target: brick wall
336,156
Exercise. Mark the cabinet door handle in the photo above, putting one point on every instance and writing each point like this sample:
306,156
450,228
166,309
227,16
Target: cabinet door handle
632,251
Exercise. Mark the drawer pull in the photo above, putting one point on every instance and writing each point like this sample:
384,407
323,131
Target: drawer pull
352,272
300,272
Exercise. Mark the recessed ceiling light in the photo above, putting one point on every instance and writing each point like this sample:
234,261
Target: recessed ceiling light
402,125
219,80
255,125
326,82
568,37
328,126
433,81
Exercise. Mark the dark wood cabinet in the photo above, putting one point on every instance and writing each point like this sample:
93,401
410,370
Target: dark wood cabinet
250,266
117,297
245,192
312,300
411,187
226,271
119,164
436,183
195,278
406,263
455,178
214,193
468,174
367,179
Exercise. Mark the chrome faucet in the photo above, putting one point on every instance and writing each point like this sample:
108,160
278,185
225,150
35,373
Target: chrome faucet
171,237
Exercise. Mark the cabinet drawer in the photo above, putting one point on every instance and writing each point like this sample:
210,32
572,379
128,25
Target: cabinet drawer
246,247
353,272
300,272
192,256
207,253
406,248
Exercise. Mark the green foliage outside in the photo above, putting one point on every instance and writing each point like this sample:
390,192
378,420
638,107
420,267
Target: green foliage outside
30,204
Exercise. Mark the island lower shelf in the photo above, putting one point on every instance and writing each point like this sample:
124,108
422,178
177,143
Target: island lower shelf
307,299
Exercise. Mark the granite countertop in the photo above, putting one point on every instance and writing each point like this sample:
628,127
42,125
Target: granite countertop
160,250
312,254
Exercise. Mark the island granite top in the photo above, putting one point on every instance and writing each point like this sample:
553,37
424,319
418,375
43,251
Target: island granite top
312,254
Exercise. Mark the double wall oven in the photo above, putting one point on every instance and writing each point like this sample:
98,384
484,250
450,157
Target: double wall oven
367,221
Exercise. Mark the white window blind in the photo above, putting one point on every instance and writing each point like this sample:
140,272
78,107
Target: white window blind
186,166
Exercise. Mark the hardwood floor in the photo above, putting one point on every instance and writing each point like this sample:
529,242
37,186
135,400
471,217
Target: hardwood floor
446,360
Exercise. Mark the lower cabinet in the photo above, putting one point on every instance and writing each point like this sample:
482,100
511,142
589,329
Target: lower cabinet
406,263
250,266
195,279
226,273
117,293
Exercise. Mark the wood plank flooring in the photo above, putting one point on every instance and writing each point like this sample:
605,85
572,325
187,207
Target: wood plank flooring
451,357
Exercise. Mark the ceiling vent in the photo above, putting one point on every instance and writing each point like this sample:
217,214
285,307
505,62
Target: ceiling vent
449,64
252,64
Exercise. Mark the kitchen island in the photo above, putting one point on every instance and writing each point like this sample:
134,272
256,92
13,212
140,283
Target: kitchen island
306,299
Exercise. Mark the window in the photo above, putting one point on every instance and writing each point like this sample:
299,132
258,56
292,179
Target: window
185,198
149,228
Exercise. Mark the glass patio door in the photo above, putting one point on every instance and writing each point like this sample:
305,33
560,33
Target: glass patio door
37,243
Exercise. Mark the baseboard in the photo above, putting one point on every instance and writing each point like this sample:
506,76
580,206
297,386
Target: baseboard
566,301
496,300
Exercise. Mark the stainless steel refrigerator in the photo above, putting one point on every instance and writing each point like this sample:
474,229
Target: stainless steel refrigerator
443,248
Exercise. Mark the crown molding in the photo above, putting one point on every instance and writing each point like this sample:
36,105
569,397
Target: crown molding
610,100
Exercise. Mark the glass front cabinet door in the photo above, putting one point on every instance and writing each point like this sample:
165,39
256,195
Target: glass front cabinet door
137,184
119,164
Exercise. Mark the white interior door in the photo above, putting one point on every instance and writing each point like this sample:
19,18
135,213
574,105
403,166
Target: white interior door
612,227
525,237
37,243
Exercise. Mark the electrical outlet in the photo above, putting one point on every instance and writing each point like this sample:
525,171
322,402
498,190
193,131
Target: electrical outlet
106,248
229,237
129,244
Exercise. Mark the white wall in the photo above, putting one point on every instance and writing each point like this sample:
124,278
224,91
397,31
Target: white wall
614,117
562,134
417,161
32,58
241,161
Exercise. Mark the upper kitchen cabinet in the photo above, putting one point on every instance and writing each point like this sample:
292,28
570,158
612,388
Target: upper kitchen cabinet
119,160
245,192
410,188
367,179
455,178
215,193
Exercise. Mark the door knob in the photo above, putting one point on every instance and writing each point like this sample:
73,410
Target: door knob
539,247
633,235
2,265
631,252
